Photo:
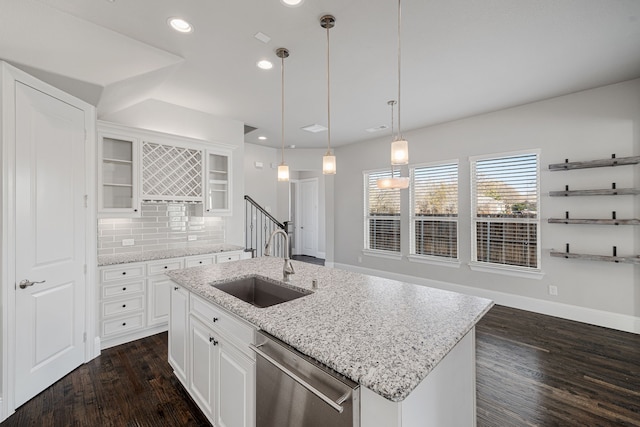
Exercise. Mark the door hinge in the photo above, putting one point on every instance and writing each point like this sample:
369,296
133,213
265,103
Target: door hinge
86,200
84,337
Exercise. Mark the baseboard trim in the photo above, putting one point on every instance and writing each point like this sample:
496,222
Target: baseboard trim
133,336
621,322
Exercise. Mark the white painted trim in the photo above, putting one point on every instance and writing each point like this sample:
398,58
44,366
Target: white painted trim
322,255
143,333
441,261
382,254
507,270
621,322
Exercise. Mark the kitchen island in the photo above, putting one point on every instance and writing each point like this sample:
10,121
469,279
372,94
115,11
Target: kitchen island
388,336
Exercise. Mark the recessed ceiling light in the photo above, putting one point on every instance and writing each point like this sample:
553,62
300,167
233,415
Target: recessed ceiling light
180,25
291,3
262,138
264,64
315,128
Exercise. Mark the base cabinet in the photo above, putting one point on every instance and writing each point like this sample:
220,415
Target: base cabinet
219,366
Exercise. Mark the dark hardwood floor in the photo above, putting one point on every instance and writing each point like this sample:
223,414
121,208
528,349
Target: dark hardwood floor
533,370
536,370
308,259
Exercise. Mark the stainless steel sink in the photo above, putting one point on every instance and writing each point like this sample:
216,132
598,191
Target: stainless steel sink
260,291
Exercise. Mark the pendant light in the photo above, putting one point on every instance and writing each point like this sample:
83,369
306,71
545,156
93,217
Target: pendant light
393,182
328,160
400,146
283,169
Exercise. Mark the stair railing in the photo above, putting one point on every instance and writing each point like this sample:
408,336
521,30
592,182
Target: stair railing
259,224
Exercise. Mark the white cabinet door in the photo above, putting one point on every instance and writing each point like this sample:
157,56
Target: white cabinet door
117,174
158,296
218,182
178,319
203,349
235,406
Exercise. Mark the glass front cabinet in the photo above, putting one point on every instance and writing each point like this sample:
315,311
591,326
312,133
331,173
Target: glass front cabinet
218,182
117,174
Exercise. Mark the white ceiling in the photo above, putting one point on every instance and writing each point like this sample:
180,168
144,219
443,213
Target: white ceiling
460,57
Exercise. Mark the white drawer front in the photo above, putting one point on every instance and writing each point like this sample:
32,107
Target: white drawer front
122,272
122,289
235,329
113,308
122,325
162,266
200,261
227,257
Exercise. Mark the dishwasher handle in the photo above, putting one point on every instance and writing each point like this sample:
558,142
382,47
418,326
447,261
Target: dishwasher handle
302,382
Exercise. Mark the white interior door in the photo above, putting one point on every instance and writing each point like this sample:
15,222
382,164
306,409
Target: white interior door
308,217
50,241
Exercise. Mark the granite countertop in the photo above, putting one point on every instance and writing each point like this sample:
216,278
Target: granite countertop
165,254
383,334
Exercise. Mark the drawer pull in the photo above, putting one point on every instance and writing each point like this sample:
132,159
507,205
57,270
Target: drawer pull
215,319
124,323
124,305
165,267
213,341
124,273
124,289
199,262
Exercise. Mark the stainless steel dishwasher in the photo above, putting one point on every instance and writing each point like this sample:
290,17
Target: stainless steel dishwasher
293,390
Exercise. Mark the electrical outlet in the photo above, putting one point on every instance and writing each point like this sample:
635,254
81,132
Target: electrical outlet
128,242
192,238
553,290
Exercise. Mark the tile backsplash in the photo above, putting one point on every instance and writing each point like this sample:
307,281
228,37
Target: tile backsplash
161,226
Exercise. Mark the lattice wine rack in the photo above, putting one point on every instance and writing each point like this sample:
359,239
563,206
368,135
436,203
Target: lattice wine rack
171,173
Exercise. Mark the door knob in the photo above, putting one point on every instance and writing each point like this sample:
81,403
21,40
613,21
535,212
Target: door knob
24,283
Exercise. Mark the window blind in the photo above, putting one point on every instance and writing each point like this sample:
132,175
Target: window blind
382,214
434,210
505,210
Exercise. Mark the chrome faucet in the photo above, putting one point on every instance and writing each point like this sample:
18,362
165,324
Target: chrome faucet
287,269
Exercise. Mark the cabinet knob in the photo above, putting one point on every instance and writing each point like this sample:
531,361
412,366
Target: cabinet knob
124,273
124,289
213,341
215,319
199,262
124,323
165,267
124,305
135,210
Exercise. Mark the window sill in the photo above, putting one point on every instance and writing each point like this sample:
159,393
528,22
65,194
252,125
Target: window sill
506,270
440,261
382,254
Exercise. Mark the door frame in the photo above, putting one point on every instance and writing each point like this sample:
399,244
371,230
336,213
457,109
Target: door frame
9,75
297,222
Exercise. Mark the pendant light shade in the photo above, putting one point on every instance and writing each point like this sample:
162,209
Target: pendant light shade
393,182
329,159
283,169
400,152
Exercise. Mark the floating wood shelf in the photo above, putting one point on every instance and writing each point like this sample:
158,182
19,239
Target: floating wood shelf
613,161
633,259
594,221
602,192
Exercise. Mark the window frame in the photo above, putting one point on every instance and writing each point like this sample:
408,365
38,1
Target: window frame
367,250
513,270
433,259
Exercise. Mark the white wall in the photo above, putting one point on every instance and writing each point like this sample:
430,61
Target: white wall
583,126
261,183
173,119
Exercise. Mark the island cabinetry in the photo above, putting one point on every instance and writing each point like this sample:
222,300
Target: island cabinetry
219,366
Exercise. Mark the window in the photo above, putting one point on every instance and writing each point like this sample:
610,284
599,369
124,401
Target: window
505,203
382,214
434,210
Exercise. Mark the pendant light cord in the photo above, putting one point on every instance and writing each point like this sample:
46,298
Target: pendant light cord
399,66
282,108
328,97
